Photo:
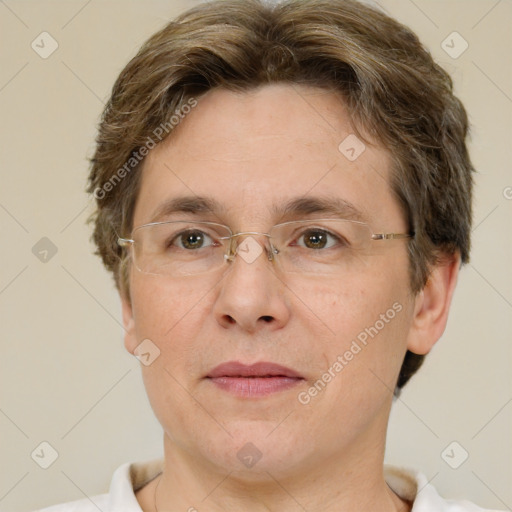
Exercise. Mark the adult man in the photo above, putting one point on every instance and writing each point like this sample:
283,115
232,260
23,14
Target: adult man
284,198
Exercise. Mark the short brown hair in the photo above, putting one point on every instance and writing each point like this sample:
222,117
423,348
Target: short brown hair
394,91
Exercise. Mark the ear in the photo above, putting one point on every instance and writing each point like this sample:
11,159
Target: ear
432,305
130,338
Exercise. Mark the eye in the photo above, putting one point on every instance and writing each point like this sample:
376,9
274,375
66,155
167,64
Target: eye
317,238
191,239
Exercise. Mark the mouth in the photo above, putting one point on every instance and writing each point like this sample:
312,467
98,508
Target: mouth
252,381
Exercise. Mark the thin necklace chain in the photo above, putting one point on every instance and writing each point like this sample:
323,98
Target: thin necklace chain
156,488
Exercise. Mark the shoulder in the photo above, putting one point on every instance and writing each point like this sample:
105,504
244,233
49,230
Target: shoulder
127,479
93,504
414,487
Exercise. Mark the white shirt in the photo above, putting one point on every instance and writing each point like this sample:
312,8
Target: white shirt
129,478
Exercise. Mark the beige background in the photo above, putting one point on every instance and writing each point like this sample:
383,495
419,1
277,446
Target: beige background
65,377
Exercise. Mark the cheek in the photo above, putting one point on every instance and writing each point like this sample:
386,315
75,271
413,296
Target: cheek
368,330
160,307
342,308
173,319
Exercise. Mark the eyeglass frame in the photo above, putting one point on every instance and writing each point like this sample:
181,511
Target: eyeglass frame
231,253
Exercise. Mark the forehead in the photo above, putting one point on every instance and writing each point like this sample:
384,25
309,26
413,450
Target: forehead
252,152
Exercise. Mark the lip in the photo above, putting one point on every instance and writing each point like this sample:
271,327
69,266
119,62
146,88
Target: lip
255,380
260,369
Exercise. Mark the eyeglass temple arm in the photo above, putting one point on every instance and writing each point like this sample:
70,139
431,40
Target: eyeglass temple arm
391,236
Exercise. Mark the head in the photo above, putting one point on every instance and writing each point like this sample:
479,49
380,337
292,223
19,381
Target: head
247,103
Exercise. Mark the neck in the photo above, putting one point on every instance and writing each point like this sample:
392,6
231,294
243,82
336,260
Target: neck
350,481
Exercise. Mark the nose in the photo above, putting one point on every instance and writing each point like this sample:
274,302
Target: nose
252,296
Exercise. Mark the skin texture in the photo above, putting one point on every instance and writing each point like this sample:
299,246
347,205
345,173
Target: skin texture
250,151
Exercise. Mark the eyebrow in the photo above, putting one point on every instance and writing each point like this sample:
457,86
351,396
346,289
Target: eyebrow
301,206
309,205
187,204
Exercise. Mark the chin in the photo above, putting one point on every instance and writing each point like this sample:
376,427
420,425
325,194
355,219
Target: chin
258,448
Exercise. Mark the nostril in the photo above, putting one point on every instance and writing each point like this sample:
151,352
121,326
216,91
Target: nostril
230,319
267,318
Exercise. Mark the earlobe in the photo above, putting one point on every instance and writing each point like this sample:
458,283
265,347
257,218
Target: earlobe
432,305
130,338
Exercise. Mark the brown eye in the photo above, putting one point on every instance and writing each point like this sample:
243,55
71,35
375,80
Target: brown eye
317,239
191,240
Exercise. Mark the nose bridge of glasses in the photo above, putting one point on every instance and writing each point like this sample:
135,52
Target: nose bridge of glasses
236,240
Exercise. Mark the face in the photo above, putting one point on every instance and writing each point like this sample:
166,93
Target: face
341,338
